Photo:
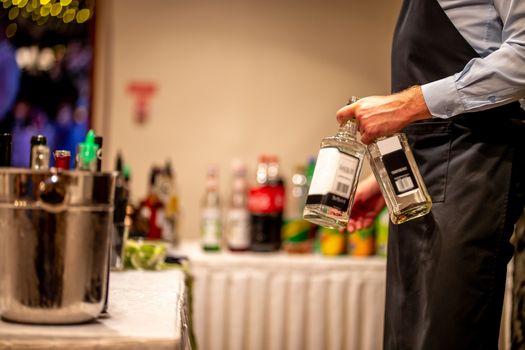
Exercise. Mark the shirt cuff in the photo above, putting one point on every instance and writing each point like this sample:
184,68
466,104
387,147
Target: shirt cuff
442,98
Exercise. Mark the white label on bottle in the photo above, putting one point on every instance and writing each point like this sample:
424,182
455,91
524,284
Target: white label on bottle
238,228
389,145
334,172
397,166
344,177
211,227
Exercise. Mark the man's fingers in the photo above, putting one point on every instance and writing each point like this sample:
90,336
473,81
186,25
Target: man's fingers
370,131
365,138
345,113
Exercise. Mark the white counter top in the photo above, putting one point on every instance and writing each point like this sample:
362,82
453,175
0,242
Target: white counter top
147,311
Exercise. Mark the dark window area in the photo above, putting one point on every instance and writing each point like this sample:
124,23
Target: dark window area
46,56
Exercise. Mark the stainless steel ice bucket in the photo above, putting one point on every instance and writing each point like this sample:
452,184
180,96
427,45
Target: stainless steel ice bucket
54,240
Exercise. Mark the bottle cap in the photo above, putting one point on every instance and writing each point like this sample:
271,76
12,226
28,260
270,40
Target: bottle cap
238,167
38,140
62,159
61,153
212,176
119,162
88,151
153,173
263,158
126,171
168,168
272,158
213,170
352,99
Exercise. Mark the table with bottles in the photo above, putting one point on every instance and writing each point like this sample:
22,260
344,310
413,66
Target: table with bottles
258,283
147,310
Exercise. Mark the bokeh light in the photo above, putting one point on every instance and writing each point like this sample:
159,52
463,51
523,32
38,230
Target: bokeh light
11,29
69,15
56,9
44,11
83,15
13,13
65,11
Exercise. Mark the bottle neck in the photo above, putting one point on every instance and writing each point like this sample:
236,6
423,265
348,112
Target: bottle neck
348,129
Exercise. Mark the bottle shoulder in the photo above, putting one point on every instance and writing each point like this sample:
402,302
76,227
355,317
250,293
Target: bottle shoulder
346,145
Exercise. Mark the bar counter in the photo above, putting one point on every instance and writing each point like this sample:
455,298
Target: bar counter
147,310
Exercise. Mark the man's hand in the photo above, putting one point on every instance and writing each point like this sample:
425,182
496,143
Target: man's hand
378,116
368,202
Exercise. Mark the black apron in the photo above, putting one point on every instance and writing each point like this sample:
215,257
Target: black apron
446,271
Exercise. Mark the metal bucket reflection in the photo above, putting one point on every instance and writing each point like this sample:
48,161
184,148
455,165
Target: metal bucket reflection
54,238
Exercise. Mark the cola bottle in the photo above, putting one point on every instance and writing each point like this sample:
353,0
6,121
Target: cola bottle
266,206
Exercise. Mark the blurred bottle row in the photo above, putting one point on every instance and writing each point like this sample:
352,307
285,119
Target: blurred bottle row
156,216
257,215
254,218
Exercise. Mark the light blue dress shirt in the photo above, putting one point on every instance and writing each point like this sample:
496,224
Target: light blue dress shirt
496,31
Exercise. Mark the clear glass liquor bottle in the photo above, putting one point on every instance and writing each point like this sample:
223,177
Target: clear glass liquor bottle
39,157
211,212
237,216
398,176
331,193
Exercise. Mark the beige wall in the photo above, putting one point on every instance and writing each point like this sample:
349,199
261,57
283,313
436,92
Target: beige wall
235,78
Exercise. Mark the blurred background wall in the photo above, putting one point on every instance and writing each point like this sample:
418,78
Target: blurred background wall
233,79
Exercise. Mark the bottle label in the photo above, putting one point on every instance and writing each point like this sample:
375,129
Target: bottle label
266,199
211,227
238,220
397,165
333,179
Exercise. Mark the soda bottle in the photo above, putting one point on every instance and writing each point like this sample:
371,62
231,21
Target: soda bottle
266,206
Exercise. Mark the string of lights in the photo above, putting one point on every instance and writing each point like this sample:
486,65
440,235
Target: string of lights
42,12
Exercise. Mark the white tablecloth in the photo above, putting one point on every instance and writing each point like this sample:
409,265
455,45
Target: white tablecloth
278,301
147,311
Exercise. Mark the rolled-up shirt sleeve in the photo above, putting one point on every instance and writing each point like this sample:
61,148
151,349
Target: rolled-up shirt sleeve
487,82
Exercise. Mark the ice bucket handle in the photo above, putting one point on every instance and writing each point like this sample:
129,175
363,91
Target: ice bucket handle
52,194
